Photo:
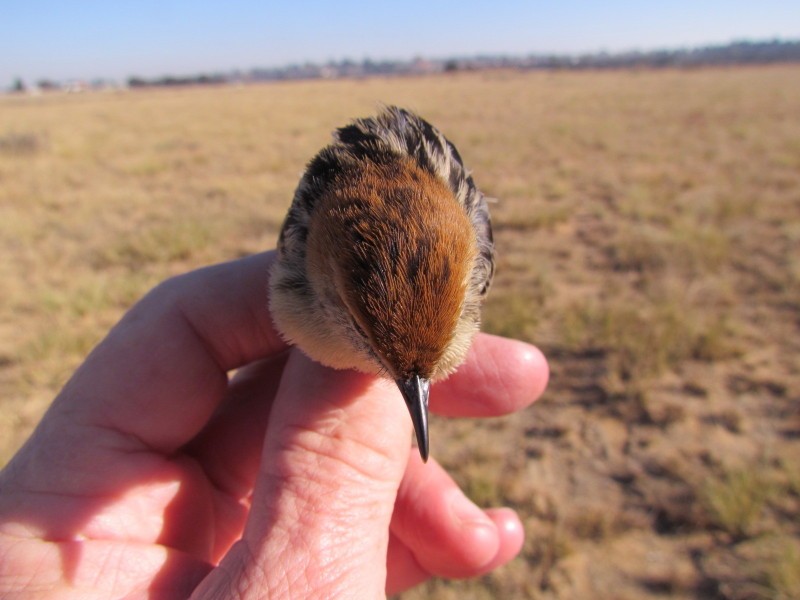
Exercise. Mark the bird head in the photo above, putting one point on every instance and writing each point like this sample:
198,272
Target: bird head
392,248
385,257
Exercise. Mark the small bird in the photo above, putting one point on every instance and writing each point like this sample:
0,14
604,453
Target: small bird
385,257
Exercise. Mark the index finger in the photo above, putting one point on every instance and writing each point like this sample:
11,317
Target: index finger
500,376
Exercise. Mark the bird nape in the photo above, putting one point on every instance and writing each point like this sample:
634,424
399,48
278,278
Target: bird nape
385,257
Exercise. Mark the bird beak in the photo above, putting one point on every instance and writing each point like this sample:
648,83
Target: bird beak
415,392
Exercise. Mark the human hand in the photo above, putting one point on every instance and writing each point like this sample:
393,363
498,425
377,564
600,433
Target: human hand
155,475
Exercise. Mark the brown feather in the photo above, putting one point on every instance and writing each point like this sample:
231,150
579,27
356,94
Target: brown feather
386,253
399,249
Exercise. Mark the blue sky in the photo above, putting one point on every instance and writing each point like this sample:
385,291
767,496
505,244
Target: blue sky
70,39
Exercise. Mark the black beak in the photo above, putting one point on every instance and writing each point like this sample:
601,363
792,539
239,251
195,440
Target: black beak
415,392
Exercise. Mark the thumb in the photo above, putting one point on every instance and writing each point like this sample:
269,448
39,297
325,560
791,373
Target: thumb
336,449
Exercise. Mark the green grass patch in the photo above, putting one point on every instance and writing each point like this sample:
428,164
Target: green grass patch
643,338
735,502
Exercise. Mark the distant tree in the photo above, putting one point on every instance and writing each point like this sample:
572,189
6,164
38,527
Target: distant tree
451,66
136,82
47,85
19,86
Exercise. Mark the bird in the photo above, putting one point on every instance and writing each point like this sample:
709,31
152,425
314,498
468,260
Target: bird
385,257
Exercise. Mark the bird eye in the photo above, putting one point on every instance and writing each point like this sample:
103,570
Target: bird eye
358,329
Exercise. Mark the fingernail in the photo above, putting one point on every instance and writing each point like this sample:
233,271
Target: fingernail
511,523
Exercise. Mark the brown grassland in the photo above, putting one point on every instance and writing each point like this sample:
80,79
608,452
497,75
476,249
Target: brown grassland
648,235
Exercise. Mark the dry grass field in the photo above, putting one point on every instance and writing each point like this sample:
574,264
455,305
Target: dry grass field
648,232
